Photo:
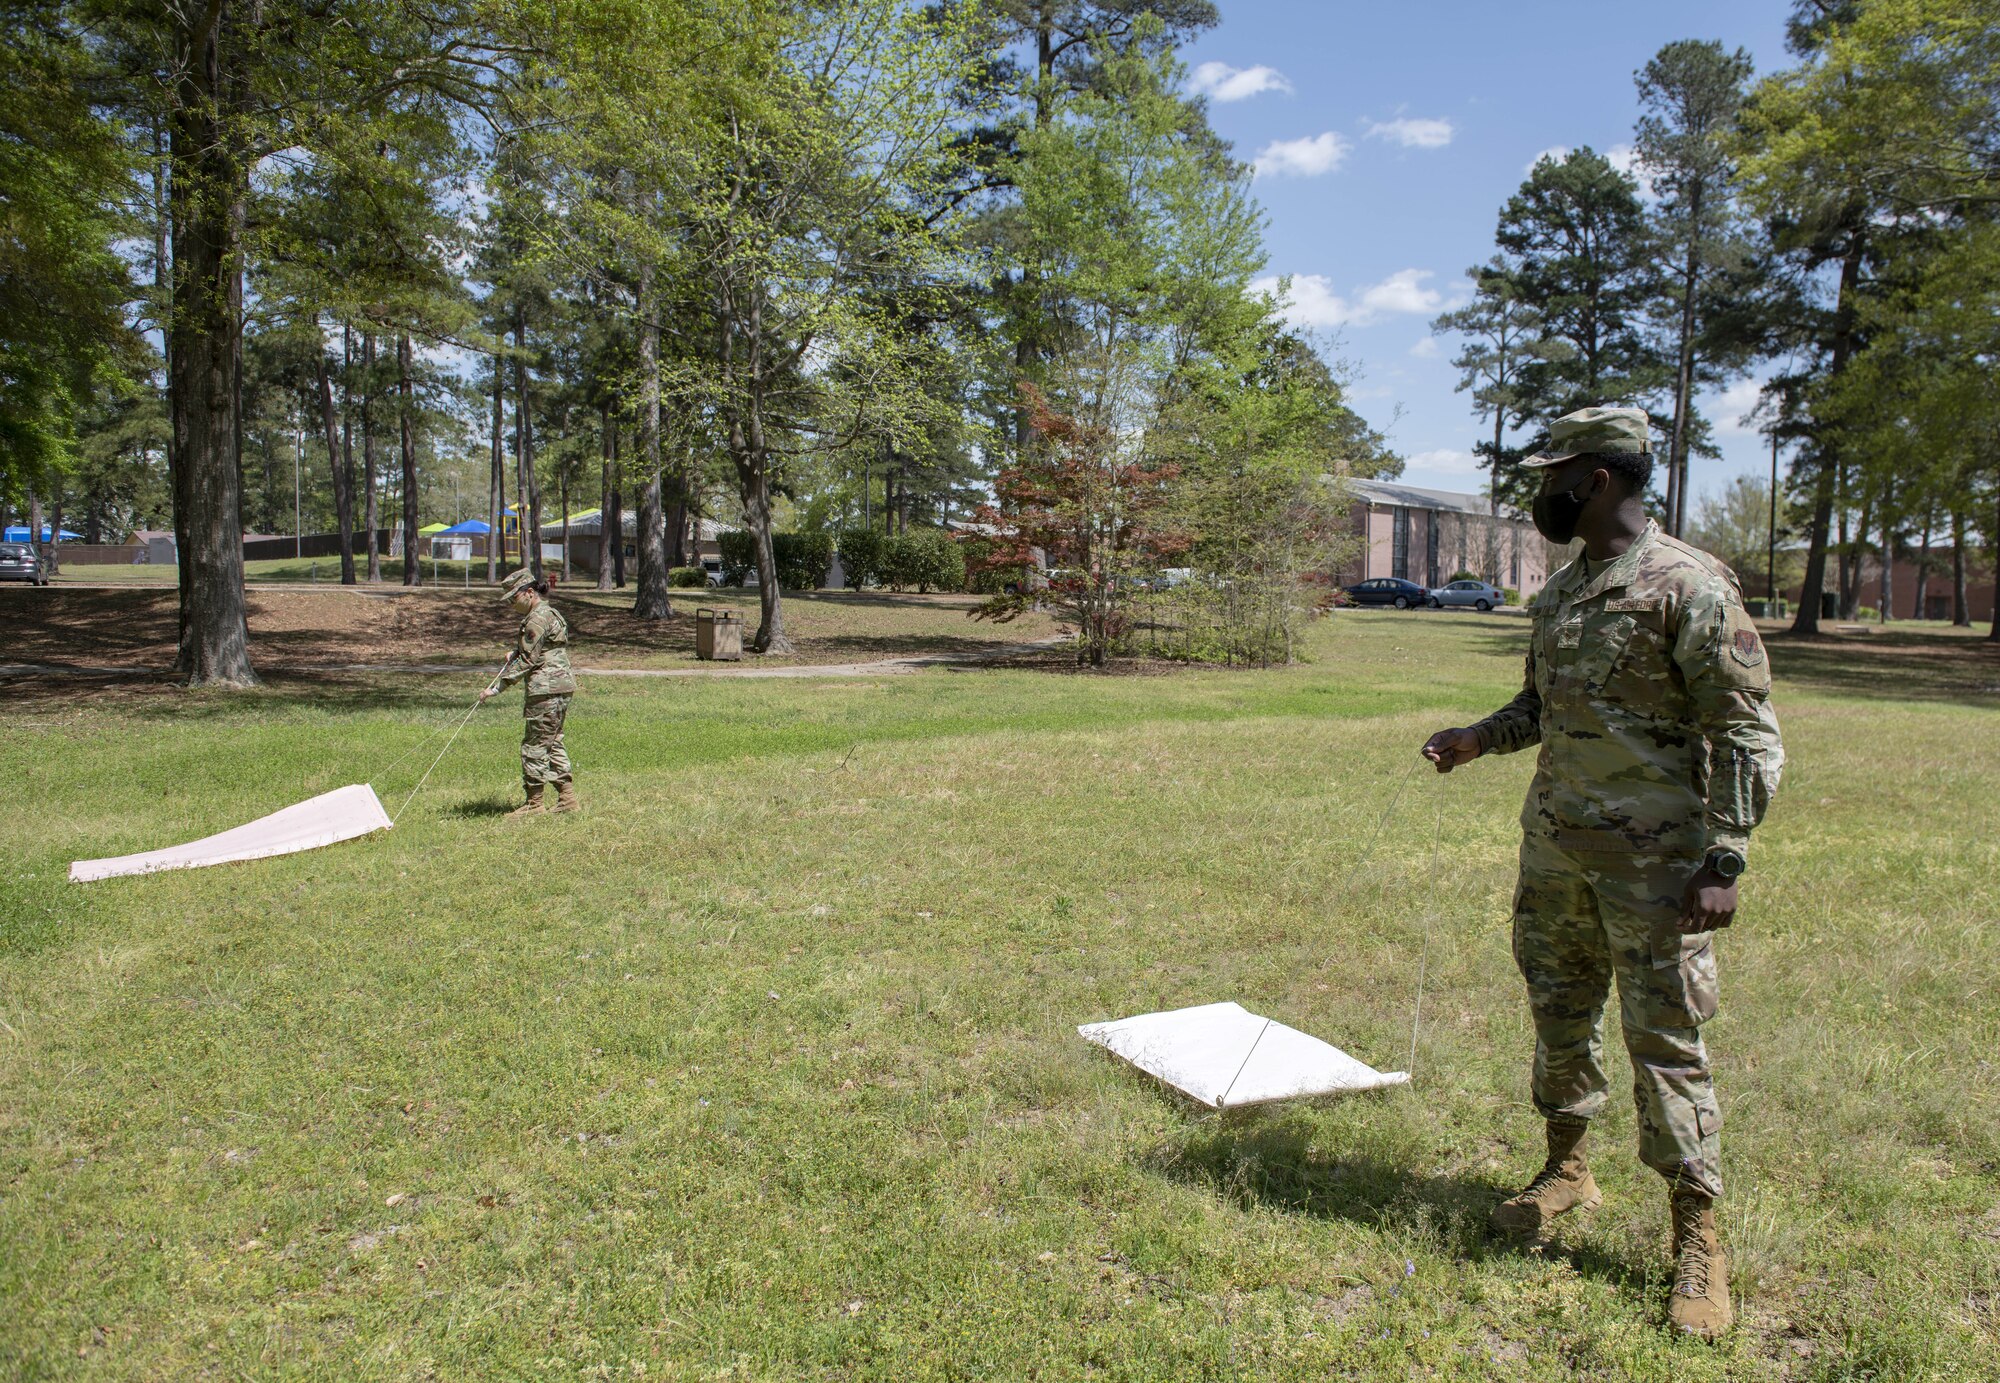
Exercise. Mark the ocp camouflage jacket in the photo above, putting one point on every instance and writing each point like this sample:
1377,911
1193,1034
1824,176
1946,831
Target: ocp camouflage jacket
1649,692
541,655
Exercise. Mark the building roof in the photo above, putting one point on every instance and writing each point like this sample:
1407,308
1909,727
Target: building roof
1396,494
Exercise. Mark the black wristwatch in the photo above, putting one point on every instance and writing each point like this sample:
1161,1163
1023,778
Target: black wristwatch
1726,862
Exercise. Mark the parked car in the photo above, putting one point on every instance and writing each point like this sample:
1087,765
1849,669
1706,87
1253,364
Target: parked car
19,563
1477,594
1389,590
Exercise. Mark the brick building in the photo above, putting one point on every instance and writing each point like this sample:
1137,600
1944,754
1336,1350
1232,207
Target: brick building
1429,536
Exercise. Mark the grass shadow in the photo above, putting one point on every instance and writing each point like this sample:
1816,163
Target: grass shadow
480,807
1883,664
1259,1158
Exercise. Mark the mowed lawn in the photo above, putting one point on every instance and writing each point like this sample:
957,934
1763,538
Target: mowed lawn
765,1067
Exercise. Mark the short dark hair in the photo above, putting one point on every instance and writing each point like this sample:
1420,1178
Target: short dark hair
1633,469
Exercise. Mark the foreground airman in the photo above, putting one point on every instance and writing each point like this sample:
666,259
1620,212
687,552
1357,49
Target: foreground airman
1648,690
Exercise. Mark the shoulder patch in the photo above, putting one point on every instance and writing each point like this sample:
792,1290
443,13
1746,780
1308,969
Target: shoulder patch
1746,648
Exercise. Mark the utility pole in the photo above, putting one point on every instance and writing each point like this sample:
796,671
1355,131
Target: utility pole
298,509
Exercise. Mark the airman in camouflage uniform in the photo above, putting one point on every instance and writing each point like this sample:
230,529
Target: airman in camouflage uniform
1647,690
541,656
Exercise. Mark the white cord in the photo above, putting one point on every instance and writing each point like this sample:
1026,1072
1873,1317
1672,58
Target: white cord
1430,915
435,762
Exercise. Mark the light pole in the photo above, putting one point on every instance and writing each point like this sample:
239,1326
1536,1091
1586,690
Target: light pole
298,524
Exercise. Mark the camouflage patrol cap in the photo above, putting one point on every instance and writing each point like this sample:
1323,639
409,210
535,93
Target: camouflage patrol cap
514,583
1591,430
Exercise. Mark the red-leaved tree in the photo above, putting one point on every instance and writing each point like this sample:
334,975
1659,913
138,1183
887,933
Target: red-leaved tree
1075,520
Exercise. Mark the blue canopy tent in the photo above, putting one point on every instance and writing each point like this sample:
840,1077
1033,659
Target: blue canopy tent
469,526
19,534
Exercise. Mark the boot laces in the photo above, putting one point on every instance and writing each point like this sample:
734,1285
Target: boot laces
1691,1276
1552,1175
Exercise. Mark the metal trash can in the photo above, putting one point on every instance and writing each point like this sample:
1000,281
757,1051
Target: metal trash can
718,635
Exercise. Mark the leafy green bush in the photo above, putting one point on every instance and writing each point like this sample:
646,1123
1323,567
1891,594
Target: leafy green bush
802,558
1463,575
1510,595
687,576
927,558
860,556
739,556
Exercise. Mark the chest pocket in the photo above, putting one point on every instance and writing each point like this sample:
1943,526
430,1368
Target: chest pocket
1585,647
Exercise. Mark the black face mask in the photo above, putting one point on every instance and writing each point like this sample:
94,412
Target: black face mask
1557,515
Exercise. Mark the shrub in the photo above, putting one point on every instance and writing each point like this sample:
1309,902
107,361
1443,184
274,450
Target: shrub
687,576
1463,575
1510,595
739,556
927,558
802,558
860,556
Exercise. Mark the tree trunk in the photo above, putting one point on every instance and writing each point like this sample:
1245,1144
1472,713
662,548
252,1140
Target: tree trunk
604,529
343,498
651,602
1923,571
757,511
1807,619
35,526
209,182
617,512
1851,564
562,496
370,500
1994,634
406,399
527,494
1684,378
496,481
1888,610
677,507
55,533
368,452
1961,607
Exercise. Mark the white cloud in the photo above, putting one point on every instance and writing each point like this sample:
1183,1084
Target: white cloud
1413,134
1402,291
1445,461
1625,159
1735,403
1306,158
1426,348
1313,302
1226,83
1558,152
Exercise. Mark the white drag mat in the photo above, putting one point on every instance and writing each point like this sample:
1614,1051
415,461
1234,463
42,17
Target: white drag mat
326,819
1226,1057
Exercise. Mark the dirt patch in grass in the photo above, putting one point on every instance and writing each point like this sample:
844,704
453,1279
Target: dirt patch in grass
315,630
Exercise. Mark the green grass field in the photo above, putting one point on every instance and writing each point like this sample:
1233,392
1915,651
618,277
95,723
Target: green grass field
765,1067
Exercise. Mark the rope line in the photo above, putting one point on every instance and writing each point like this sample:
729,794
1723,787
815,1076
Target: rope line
1430,916
1223,1103
463,721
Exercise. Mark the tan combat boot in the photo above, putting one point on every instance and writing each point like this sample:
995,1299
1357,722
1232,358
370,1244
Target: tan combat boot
1563,1184
533,806
566,797
1700,1303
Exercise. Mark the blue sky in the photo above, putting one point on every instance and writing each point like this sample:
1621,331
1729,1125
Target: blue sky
1388,137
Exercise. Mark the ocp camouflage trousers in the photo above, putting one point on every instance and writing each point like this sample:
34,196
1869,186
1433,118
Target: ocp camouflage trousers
543,758
1581,919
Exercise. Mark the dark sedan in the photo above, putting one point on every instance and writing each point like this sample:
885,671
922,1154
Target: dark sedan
19,563
1389,590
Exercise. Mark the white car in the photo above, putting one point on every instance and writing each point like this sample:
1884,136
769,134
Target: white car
1477,594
